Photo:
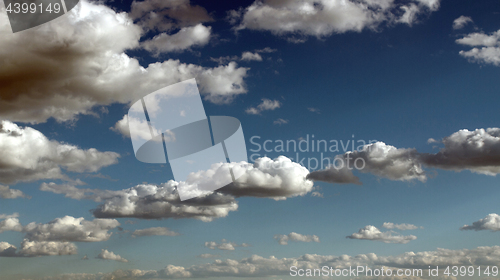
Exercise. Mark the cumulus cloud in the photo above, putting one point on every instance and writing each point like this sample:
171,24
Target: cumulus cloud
377,158
265,105
27,155
334,175
317,194
249,56
490,222
7,250
387,161
373,233
400,226
461,22
323,18
480,39
7,216
158,231
168,15
297,237
162,202
487,47
477,151
186,38
79,61
280,121
107,255
224,245
71,229
277,179
141,128
245,56
47,248
7,193
10,224
262,267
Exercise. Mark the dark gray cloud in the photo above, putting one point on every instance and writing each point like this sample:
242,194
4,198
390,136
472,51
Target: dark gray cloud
296,237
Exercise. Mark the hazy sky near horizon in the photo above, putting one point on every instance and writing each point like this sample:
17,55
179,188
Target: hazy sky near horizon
408,87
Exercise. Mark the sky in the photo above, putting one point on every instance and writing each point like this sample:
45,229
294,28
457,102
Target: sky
407,88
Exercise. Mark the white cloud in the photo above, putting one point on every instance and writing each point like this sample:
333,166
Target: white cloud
161,202
27,155
158,231
489,55
55,237
69,190
266,50
68,66
167,15
224,245
249,56
37,249
262,267
373,233
7,250
490,222
487,47
10,224
245,56
388,161
480,39
379,159
186,38
71,229
277,179
334,175
141,128
317,194
297,237
107,255
8,193
265,105
314,110
477,151
461,22
280,121
400,226
6,216
204,256
46,248
323,18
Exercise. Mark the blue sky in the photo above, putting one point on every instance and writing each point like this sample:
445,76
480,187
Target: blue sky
368,73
